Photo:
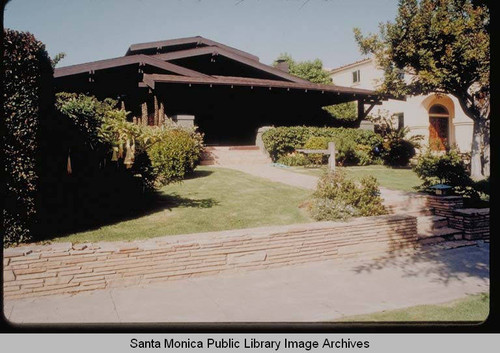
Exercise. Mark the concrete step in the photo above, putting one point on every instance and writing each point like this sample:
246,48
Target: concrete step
432,222
438,235
233,155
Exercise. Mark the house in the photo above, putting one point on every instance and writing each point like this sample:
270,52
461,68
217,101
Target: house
226,92
439,118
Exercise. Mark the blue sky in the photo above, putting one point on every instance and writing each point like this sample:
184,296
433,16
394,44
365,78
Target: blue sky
88,30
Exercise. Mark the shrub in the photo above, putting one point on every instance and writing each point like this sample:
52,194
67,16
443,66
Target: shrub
448,168
281,141
317,143
398,152
337,198
294,160
398,147
176,154
27,106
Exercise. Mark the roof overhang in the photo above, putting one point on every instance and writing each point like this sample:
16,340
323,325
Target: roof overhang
124,61
151,80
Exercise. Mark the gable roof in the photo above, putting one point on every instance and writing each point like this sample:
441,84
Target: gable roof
197,41
213,50
123,61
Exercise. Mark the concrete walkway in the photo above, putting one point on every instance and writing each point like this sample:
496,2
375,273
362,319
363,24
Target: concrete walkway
320,291
277,174
282,175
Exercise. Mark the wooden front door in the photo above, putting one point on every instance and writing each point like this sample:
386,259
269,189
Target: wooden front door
438,133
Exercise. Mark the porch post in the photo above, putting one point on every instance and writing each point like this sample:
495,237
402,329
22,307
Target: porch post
144,113
156,111
361,110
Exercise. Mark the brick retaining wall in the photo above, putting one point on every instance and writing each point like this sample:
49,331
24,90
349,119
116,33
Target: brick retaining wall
474,222
36,270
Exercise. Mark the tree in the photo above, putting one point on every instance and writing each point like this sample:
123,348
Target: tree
313,71
58,57
308,70
445,46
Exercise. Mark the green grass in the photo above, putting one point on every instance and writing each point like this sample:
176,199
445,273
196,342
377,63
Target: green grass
392,178
471,308
213,199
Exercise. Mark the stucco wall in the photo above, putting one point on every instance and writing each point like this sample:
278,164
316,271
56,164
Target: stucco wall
415,108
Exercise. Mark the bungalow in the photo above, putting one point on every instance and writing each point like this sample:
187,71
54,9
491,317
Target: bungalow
439,118
226,92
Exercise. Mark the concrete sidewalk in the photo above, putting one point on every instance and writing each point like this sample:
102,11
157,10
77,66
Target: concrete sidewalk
320,291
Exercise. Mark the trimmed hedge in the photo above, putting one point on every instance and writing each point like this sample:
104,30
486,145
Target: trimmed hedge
28,103
354,146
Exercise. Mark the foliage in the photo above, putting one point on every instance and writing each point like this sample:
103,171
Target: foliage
294,159
448,169
107,132
27,104
353,146
337,197
176,154
307,70
445,46
399,148
317,143
313,71
343,111
57,58
398,152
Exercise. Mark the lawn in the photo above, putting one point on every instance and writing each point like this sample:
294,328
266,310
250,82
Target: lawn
212,199
392,178
471,308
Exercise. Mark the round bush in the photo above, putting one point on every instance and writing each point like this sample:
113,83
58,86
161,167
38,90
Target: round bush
176,154
399,152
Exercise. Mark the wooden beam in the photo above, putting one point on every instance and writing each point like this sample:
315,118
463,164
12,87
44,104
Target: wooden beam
361,109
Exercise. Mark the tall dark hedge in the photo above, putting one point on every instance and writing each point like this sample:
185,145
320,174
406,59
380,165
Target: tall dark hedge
28,103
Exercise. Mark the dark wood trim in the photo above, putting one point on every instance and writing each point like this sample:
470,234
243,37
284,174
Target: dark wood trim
188,40
123,61
220,51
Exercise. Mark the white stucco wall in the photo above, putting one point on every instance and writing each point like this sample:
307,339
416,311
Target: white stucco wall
415,108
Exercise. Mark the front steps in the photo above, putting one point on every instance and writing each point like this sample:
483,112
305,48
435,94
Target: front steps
233,155
431,229
434,229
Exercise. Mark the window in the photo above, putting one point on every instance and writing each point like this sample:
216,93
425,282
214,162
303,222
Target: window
356,77
401,120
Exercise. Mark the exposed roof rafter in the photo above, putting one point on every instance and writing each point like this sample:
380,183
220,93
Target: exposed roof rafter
219,51
123,61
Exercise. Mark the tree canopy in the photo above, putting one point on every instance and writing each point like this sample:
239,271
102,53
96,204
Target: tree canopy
445,47
313,71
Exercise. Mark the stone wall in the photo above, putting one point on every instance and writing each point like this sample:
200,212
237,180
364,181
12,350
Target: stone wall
444,205
473,222
36,270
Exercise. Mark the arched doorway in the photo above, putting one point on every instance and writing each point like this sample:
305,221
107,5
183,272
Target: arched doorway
438,127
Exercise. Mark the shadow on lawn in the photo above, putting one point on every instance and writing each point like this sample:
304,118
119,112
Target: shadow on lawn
86,208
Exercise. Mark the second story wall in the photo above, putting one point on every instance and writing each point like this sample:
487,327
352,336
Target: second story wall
363,74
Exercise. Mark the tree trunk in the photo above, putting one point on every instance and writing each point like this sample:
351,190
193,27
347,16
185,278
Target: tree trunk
485,131
475,162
